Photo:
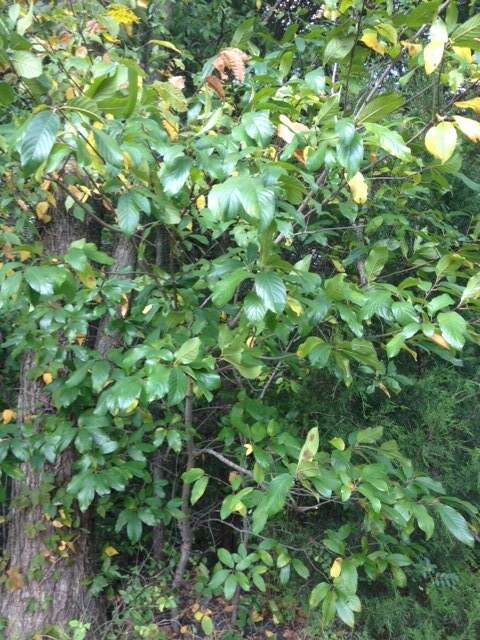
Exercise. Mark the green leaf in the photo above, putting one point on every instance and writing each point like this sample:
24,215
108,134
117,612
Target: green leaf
27,64
123,393
338,443
128,214
472,290
424,520
189,351
225,558
328,608
347,581
370,435
318,594
198,489
177,386
224,289
270,288
453,328
391,141
300,568
395,344
337,49
316,159
375,262
108,148
380,107
175,174
243,194
218,578
468,33
315,80
272,501
44,279
38,140
157,383
229,587
254,308
258,127
207,625
7,94
192,474
344,612
455,523
259,582
350,155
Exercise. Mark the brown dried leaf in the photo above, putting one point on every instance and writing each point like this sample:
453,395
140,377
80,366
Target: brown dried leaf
216,84
231,59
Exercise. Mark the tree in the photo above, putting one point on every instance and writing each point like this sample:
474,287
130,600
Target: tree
183,237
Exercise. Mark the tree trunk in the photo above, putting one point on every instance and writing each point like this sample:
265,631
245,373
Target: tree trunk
44,588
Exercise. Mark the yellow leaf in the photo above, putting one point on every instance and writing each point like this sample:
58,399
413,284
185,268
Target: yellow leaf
441,140
124,306
146,309
440,340
171,130
432,55
198,615
287,129
110,552
41,209
473,104
57,524
132,406
121,14
469,127
7,415
369,38
359,188
412,48
70,93
338,265
201,202
295,306
47,377
256,616
240,508
465,53
250,342
336,568
24,255
248,449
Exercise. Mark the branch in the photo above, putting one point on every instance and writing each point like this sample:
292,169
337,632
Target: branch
226,461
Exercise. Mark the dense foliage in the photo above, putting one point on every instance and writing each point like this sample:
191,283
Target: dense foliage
238,239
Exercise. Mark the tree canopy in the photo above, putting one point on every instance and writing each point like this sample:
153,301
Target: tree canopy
205,206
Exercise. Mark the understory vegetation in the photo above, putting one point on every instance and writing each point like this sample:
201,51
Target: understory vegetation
239,320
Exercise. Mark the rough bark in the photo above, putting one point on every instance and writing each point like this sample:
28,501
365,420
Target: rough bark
43,589
125,257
